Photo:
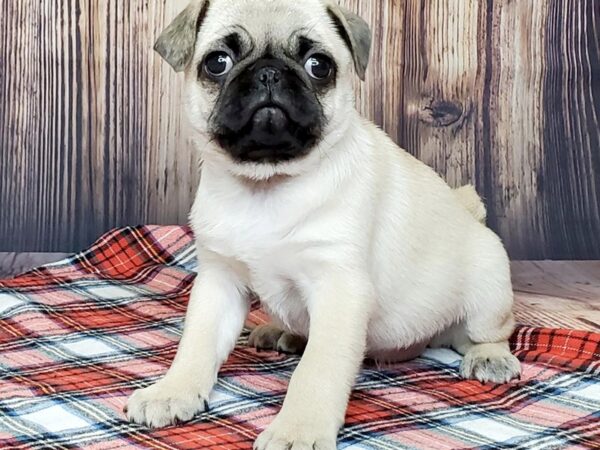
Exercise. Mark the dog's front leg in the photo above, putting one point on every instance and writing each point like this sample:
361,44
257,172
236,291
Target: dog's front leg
214,319
317,397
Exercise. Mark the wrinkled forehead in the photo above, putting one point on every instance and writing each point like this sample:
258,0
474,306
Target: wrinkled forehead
278,24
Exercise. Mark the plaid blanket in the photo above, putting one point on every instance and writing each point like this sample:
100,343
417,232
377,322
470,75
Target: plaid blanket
77,337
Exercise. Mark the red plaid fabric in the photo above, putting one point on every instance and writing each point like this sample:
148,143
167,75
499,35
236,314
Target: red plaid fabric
77,337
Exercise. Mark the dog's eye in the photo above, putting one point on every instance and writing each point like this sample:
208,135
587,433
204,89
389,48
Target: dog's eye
218,64
319,67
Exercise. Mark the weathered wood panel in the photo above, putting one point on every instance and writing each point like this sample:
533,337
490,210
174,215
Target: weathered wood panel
91,134
511,136
570,170
504,94
442,86
501,93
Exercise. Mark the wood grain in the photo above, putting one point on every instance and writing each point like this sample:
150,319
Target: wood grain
442,99
92,136
504,94
570,173
511,136
558,294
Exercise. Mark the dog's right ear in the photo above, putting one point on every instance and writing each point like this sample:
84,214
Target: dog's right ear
177,43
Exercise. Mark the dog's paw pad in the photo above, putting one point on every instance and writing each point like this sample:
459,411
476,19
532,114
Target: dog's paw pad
291,344
265,337
270,337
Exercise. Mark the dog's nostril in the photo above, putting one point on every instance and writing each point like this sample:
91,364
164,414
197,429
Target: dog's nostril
269,76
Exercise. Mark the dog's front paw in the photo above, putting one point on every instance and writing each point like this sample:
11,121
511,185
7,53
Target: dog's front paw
164,404
288,434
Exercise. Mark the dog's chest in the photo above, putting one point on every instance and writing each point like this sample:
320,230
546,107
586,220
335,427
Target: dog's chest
273,270
281,297
273,260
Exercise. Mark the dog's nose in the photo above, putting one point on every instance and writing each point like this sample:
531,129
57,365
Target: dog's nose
269,76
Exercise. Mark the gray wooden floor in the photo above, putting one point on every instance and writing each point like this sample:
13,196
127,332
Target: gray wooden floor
12,264
558,294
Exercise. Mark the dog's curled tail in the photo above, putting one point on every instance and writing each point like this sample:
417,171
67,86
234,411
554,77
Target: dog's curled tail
471,200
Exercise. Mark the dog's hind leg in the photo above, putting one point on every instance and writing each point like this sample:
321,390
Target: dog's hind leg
272,337
482,336
483,361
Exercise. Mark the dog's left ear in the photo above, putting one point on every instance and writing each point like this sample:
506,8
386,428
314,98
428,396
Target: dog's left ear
356,34
177,43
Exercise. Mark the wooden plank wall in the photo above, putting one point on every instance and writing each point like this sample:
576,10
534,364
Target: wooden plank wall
501,93
504,94
90,131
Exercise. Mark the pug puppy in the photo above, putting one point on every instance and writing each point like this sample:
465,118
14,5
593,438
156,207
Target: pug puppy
352,245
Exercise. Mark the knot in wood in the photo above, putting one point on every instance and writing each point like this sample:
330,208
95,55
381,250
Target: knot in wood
441,113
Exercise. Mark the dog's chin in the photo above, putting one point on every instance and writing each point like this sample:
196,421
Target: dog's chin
265,167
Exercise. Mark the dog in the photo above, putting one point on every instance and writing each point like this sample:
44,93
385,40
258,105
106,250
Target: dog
355,248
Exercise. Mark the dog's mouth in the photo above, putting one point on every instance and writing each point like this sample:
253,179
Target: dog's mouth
270,135
270,119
